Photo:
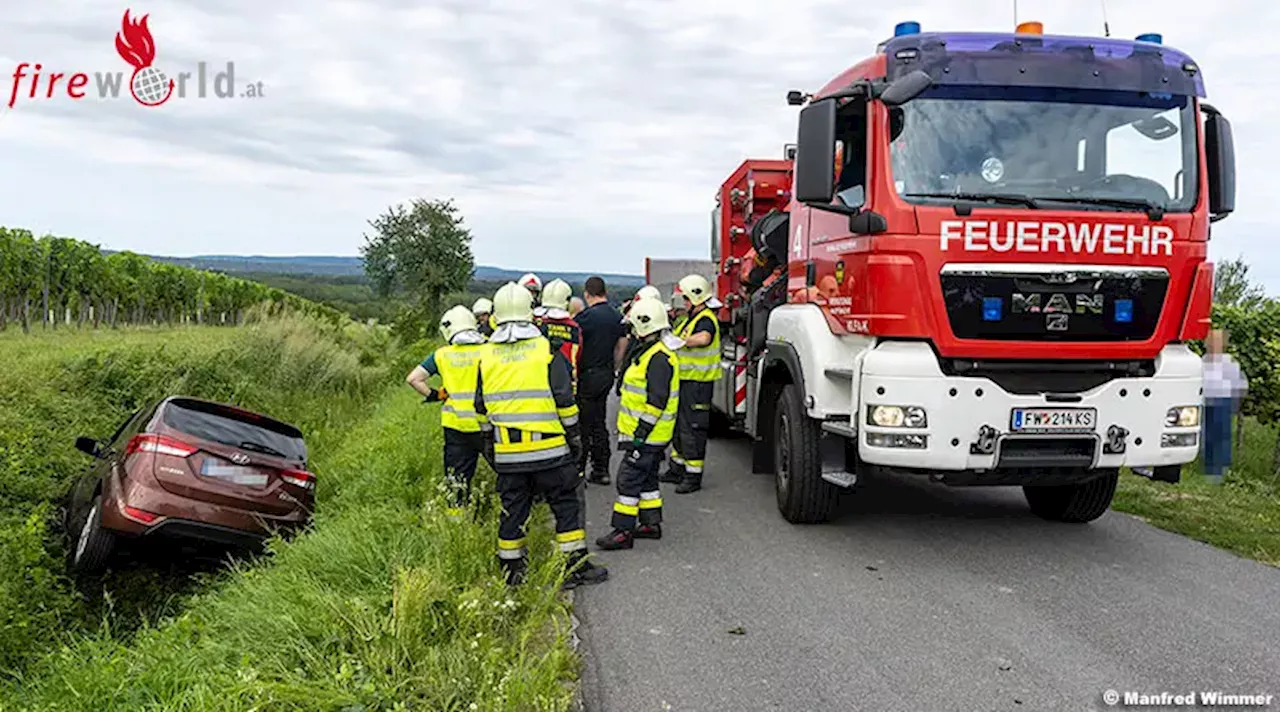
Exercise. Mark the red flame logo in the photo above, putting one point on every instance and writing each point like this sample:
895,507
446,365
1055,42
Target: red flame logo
148,85
134,42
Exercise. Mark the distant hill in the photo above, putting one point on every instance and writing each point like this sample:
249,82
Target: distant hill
354,267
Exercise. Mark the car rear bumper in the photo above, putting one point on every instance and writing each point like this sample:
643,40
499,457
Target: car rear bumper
182,518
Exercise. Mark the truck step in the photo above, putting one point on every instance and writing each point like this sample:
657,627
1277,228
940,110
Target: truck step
840,478
838,428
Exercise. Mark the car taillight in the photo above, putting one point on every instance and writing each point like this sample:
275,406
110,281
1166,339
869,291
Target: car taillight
140,516
301,478
159,445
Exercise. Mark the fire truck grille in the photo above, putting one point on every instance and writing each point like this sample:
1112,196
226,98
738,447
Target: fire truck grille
1053,303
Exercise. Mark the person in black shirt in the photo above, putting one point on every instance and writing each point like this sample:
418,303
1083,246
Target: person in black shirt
604,344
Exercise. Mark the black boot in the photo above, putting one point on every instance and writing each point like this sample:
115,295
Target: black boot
582,572
514,569
671,476
689,484
599,478
647,531
614,540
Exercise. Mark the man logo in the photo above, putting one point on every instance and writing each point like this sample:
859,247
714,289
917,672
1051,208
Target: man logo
1057,304
1055,322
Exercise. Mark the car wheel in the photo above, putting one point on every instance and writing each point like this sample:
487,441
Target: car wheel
1076,503
93,544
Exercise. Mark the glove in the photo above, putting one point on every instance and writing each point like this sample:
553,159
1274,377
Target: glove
575,447
436,395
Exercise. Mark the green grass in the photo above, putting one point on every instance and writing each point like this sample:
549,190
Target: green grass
64,383
386,605
1242,515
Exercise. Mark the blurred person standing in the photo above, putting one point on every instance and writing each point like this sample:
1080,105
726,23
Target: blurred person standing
576,306
604,344
1224,388
483,311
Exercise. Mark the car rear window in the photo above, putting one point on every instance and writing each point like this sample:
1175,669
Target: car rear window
249,431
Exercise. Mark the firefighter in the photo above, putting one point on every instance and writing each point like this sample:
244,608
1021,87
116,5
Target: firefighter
456,363
533,283
646,424
483,311
699,369
524,389
558,326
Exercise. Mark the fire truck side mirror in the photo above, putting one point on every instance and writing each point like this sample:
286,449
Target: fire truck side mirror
906,88
816,153
1220,152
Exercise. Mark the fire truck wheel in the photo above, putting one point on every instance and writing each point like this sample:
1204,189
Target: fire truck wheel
803,496
1078,503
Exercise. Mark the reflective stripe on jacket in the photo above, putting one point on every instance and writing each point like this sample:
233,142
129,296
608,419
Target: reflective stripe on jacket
635,406
458,366
700,363
516,392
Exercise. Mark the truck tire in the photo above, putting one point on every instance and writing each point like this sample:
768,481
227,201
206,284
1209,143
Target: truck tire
1076,504
93,544
803,496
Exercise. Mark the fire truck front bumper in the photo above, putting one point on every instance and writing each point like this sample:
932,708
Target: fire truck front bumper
912,415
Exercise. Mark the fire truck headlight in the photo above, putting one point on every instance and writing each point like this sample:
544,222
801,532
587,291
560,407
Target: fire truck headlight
897,416
1183,416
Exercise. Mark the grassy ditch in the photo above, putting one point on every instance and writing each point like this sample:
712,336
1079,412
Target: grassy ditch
1242,515
385,605
59,385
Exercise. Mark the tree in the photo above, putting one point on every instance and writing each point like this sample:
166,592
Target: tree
1232,286
421,253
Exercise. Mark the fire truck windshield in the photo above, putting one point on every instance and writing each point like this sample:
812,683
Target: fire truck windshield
1091,149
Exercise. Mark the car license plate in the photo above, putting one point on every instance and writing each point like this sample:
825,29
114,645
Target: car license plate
250,476
1053,419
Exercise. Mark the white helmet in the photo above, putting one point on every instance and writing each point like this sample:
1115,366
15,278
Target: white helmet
648,291
482,306
531,282
512,303
648,316
455,321
696,289
556,294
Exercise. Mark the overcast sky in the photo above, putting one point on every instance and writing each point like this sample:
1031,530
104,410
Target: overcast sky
574,134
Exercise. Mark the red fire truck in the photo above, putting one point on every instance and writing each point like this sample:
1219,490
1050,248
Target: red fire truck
980,262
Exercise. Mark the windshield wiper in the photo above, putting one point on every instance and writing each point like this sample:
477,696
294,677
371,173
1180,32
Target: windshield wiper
258,447
1001,198
1154,211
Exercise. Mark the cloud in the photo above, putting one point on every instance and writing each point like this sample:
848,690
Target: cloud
578,134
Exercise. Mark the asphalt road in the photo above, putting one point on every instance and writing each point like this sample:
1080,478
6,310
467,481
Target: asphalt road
915,597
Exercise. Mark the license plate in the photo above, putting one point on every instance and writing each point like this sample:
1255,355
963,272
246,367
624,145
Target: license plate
1053,419
250,476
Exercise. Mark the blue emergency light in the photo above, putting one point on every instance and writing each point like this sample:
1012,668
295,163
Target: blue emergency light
1152,37
992,308
906,28
1124,311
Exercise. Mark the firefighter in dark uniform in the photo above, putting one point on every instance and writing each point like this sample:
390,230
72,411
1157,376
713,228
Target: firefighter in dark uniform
552,318
525,392
558,326
483,310
699,369
457,363
646,424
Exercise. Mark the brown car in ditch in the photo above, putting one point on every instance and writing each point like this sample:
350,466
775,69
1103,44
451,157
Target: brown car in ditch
188,469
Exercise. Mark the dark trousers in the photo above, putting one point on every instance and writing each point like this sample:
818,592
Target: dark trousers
639,499
461,454
693,417
557,486
593,405
1217,436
